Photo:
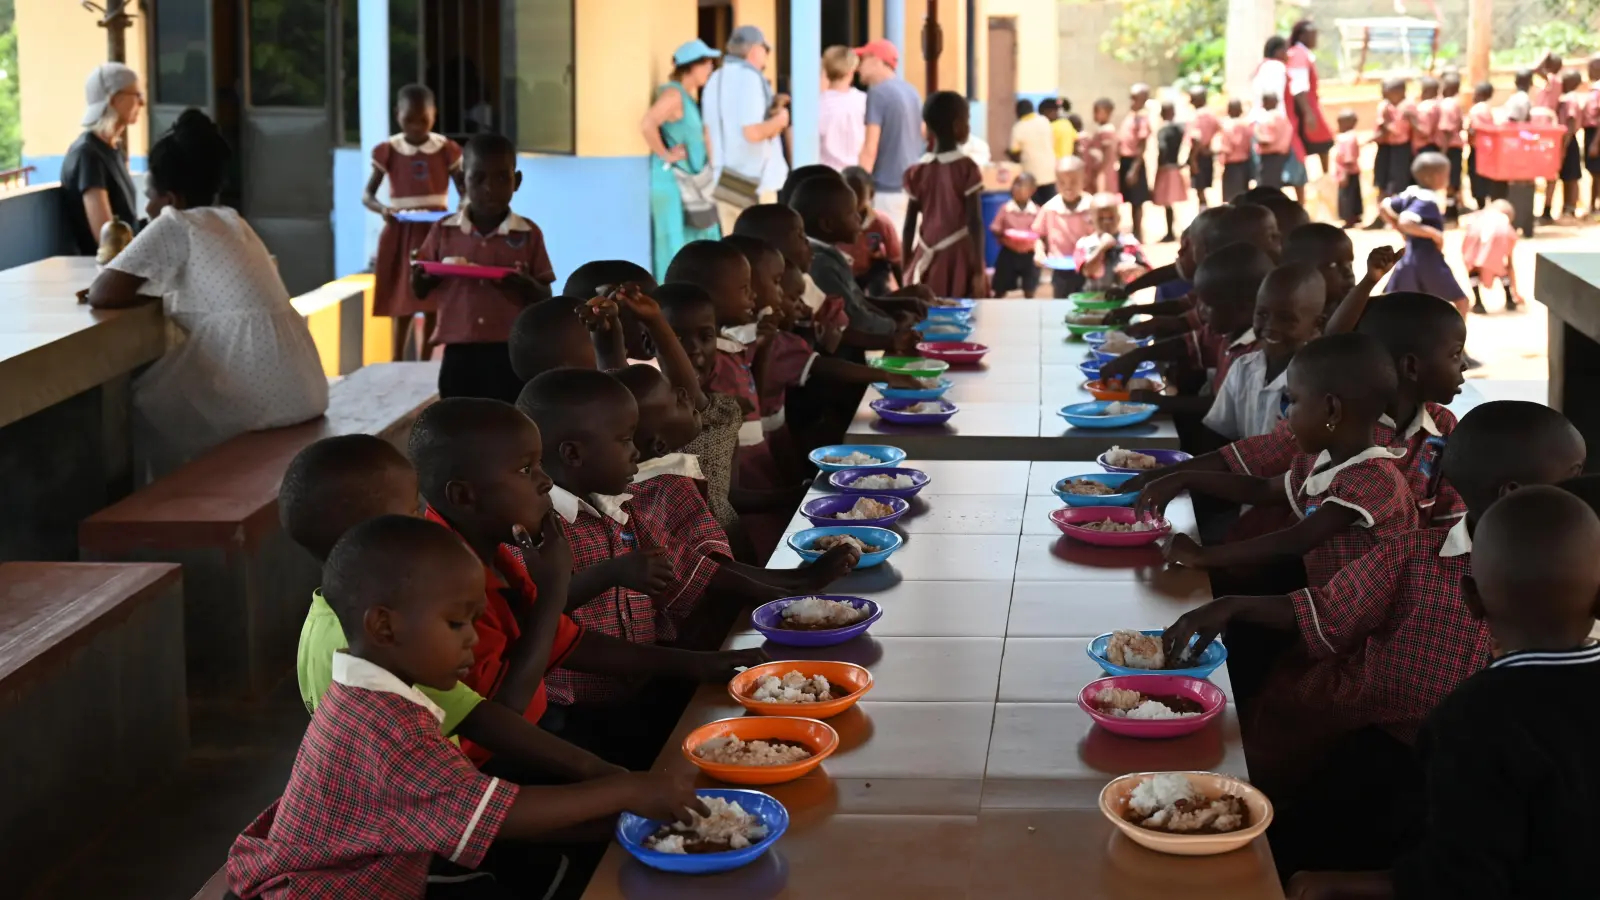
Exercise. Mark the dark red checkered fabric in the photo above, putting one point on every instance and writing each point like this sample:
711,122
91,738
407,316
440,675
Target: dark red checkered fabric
1373,487
673,514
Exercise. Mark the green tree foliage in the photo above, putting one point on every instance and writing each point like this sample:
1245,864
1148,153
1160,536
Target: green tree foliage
10,103
1188,33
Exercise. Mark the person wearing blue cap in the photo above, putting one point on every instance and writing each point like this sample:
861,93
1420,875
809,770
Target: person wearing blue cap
681,175
746,121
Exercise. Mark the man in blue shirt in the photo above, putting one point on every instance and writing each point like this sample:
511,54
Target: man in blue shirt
894,128
745,121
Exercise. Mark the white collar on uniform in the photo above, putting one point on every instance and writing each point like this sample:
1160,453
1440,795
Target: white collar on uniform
1422,421
1058,203
1249,337
353,671
685,464
1322,479
949,156
433,144
1418,192
569,505
1458,542
729,345
1011,206
512,222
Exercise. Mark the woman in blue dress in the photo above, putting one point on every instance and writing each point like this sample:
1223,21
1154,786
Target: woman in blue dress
1418,213
680,164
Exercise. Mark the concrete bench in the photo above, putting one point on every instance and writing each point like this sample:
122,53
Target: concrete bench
92,699
247,585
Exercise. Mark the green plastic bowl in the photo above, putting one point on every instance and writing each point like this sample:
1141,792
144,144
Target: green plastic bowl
1078,331
1089,301
900,365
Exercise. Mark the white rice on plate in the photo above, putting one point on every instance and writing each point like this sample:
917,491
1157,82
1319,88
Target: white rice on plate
883,482
822,612
1130,459
793,687
853,458
727,823
1168,802
866,508
1133,650
733,751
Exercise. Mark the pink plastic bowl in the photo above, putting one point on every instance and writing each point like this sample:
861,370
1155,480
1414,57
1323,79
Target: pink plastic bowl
956,353
1199,690
1071,519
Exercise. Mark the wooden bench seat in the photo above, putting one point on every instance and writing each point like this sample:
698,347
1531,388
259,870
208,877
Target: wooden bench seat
246,584
92,699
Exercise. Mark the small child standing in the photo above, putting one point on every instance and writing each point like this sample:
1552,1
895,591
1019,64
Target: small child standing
1014,267
1235,141
1448,136
1591,133
1274,135
1170,188
1347,170
1064,221
1391,168
1425,129
420,165
1132,180
1417,212
1487,242
1098,147
1479,117
1569,115
475,314
1202,133
1111,257
875,257
943,189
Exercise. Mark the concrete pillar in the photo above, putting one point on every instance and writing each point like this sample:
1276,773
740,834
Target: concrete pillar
1250,23
805,77
377,99
1480,40
894,26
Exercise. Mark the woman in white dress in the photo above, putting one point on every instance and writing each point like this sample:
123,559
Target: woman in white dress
248,361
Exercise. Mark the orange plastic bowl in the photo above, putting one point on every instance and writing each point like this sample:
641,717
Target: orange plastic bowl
840,675
1098,389
818,737
1114,805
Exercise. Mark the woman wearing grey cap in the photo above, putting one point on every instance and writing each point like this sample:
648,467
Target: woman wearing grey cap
95,184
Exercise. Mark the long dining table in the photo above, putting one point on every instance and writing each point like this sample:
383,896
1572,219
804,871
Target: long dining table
969,770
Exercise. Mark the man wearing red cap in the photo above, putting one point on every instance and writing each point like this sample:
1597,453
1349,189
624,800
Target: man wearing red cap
894,128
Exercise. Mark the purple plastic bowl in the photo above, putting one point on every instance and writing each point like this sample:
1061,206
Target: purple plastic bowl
844,478
822,510
1164,457
765,619
890,411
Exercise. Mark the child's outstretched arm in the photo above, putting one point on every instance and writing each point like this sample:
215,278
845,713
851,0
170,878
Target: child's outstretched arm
369,198
1246,490
1297,540
830,368
543,813
604,321
674,361
602,654
1205,462
1158,326
509,736
1354,304
1123,367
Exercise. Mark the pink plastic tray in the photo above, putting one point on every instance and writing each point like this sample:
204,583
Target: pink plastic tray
957,353
1203,692
452,270
1070,520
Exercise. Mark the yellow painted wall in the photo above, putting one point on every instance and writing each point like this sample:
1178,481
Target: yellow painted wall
58,44
764,15
953,58
1038,43
624,50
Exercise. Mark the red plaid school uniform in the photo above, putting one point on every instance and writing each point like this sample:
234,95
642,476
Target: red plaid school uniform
670,508
1369,484
376,793
732,376
789,362
473,310
498,630
1389,637
419,178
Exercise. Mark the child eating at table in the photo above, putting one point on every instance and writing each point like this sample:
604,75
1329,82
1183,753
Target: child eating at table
420,167
1062,222
407,592
944,225
1344,491
1111,257
475,314
1252,398
1014,268
688,311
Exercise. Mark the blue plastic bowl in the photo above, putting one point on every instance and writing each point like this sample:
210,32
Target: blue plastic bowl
943,335
886,456
1106,478
913,394
1096,339
845,481
1215,655
632,831
1091,369
822,510
1089,415
800,542
962,309
766,618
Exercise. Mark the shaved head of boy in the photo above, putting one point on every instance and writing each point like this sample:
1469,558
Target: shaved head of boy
406,591
1426,337
1290,215
339,482
828,208
668,420
1503,445
1288,309
550,335
588,420
586,282
779,226
480,465
1247,224
1535,573
1329,249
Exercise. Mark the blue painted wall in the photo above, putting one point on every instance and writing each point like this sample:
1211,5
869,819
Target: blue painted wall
350,168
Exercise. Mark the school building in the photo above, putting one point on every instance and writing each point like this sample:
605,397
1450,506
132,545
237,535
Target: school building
304,89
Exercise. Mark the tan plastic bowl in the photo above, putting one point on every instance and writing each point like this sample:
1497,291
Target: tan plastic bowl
1114,803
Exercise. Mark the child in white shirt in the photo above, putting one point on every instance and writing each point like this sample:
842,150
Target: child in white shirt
1288,314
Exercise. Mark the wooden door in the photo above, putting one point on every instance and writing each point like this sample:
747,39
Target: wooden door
1002,83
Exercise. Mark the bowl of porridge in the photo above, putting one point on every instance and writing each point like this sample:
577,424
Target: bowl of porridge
818,620
1095,489
1152,706
903,483
1186,813
914,412
1109,526
836,457
760,749
741,825
876,544
816,690
1134,462
878,510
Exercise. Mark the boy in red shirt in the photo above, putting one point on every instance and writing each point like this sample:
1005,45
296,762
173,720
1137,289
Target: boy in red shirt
1347,169
407,592
1274,138
1425,128
1235,140
1391,168
475,314
1450,134
1202,134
